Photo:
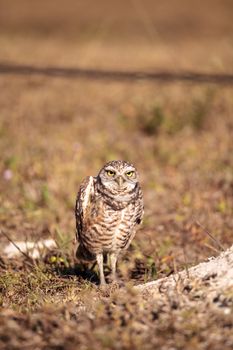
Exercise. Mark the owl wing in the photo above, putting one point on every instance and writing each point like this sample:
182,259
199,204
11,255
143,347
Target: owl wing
85,194
139,208
137,217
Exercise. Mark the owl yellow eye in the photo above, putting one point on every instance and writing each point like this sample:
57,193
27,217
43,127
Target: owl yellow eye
110,173
129,173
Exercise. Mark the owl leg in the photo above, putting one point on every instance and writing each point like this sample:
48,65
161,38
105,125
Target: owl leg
100,262
113,261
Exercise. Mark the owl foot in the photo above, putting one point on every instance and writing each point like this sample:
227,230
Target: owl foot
102,282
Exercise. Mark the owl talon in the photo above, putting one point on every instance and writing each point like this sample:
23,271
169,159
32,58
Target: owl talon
103,283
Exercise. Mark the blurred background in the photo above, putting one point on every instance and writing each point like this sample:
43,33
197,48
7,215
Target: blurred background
54,131
123,34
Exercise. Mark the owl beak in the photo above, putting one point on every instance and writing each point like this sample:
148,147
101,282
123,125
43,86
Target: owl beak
119,180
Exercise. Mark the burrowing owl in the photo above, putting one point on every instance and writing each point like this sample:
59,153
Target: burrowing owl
109,208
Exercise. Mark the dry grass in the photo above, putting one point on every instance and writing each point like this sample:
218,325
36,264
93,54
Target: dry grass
54,132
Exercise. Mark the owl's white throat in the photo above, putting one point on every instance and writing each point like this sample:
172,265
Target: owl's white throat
120,198
123,198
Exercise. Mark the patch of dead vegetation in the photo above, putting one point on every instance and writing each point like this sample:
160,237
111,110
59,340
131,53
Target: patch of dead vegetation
126,318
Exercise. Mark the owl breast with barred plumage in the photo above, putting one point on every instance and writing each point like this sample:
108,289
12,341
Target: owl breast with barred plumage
109,208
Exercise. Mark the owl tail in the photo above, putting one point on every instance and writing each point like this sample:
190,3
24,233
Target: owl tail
84,255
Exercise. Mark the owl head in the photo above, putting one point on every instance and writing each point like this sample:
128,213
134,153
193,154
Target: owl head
118,177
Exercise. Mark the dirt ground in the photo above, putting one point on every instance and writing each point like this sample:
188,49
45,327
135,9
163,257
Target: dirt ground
56,131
